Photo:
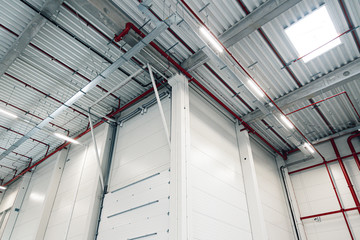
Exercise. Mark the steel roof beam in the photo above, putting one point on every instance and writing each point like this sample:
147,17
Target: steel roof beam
260,16
338,77
99,78
35,25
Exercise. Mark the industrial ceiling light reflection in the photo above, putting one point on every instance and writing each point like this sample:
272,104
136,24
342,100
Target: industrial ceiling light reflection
66,138
311,32
2,188
2,111
286,122
256,89
308,147
211,39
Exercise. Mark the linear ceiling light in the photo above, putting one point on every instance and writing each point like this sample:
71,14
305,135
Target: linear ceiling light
308,147
2,188
286,122
2,111
211,39
311,32
256,89
66,138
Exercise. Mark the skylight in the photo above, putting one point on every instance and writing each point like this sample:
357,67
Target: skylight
312,32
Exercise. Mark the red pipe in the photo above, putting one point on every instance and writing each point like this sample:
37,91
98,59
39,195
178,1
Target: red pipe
58,61
126,31
328,213
325,99
19,154
349,23
347,31
3,166
80,135
320,164
247,73
192,79
338,199
35,140
286,66
43,93
33,115
352,149
346,175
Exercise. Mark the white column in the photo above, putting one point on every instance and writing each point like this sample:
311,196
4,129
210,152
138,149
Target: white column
51,193
293,204
256,214
180,147
14,211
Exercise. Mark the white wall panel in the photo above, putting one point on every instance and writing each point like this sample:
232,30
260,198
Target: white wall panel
30,213
137,205
314,192
8,196
276,215
141,148
218,202
75,209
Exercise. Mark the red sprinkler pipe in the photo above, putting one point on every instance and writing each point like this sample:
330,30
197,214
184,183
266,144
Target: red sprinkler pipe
3,166
18,154
43,93
338,199
118,111
126,30
247,73
320,164
352,149
33,115
35,140
325,99
64,145
328,213
192,79
346,175
58,61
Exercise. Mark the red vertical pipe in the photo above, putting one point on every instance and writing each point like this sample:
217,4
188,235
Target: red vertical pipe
346,175
338,199
352,149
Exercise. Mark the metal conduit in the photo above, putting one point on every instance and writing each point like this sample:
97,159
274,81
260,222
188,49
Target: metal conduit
103,75
248,74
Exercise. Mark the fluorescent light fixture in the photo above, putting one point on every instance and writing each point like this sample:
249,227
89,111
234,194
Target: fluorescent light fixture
255,88
312,32
211,39
2,111
66,138
286,122
308,147
2,188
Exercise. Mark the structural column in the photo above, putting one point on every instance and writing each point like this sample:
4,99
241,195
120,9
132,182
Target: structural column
256,215
51,193
14,211
179,159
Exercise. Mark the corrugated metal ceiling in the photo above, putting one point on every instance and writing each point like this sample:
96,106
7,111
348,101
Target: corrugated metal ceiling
58,63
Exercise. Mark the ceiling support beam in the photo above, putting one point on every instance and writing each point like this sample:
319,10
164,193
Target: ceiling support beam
338,77
35,25
97,80
260,16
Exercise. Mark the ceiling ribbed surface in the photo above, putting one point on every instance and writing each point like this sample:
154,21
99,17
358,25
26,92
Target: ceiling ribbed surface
71,49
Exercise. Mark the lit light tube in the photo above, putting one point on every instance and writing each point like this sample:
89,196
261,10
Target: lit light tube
2,188
211,39
286,122
308,147
66,138
256,89
2,111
